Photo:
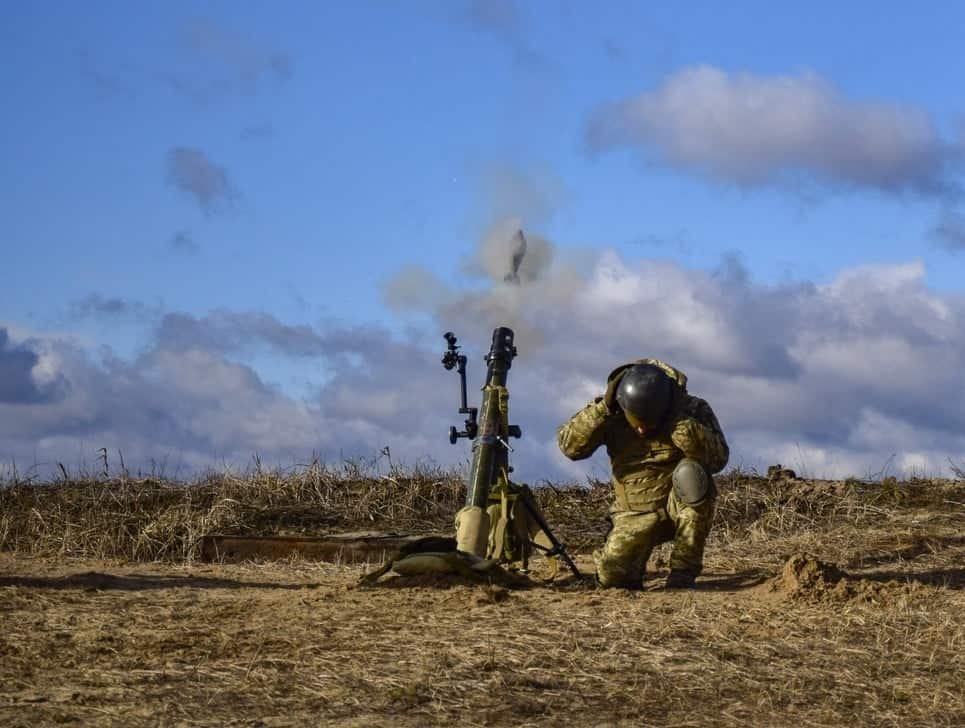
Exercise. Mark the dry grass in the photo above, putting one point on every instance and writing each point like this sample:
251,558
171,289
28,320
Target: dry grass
154,520
174,642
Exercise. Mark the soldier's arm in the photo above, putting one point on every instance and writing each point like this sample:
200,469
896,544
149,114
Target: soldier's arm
585,431
699,436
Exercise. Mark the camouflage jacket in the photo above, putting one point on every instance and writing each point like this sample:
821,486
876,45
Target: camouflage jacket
643,466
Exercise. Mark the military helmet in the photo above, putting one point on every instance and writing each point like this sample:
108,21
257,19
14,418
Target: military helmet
645,393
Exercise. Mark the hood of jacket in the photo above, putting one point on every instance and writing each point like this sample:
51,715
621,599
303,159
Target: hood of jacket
678,377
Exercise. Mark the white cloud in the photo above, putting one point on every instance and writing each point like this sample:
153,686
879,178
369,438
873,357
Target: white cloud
756,130
836,380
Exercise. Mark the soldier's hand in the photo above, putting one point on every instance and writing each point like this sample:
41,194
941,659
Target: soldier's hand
685,434
610,398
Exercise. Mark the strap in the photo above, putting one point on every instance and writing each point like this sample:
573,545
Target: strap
620,491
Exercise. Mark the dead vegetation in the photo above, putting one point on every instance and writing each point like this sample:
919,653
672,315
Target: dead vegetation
155,520
822,604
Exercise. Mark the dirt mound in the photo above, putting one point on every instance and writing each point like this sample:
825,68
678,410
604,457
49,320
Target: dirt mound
805,573
807,578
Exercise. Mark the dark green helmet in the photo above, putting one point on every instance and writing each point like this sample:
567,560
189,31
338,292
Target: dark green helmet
645,394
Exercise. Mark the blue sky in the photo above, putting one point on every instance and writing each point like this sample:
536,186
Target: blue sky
162,162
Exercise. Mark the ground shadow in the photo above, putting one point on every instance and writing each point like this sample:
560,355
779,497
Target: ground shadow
908,551
733,582
98,581
445,581
951,578
586,581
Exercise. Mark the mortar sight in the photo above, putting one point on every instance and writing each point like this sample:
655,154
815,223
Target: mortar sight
452,359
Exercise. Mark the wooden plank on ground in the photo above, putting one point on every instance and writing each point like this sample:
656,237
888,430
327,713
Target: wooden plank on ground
343,547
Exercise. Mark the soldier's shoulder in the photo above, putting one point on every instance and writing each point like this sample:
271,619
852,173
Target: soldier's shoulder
695,405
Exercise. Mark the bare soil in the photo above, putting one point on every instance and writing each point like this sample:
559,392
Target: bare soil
854,620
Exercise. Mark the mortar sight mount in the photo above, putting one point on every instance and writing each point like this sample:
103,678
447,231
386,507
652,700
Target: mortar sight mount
452,359
499,359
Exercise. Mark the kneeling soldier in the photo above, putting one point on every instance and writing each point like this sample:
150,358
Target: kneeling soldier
664,445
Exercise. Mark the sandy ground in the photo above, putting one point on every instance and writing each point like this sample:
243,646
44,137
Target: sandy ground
295,643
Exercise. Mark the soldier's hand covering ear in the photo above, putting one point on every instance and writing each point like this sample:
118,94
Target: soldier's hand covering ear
686,435
703,443
610,398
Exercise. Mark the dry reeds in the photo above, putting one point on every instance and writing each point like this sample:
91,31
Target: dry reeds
151,519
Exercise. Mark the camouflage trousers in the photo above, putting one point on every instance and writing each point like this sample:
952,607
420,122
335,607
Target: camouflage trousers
623,559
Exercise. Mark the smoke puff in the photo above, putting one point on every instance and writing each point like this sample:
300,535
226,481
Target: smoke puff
415,289
499,255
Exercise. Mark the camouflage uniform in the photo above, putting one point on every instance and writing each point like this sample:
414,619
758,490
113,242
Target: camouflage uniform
647,510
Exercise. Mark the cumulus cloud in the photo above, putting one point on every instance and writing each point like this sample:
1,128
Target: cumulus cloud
758,130
224,332
796,371
836,379
191,170
192,407
26,377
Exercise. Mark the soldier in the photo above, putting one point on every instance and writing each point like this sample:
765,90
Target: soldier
664,445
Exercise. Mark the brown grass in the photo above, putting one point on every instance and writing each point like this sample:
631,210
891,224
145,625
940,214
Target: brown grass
875,636
155,520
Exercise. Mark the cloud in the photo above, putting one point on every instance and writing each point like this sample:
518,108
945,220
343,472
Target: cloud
503,20
796,371
246,58
221,62
25,376
224,332
95,305
190,170
194,408
949,231
754,130
835,379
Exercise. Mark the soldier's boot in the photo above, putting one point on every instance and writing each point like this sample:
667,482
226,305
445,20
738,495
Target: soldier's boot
681,579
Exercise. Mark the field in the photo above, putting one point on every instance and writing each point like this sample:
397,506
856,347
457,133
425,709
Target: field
822,604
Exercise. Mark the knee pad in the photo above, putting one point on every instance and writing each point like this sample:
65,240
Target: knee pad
691,482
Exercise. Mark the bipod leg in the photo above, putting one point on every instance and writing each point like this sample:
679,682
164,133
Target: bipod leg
559,548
